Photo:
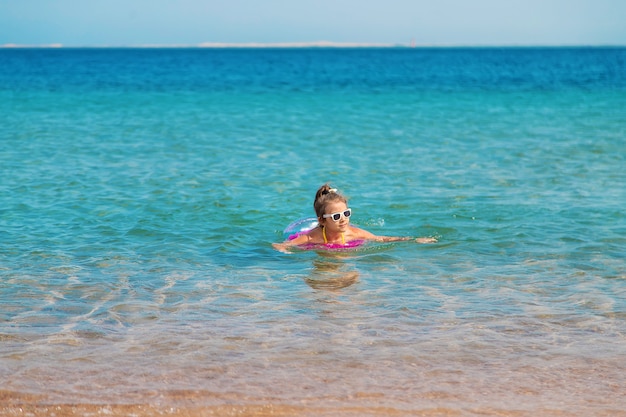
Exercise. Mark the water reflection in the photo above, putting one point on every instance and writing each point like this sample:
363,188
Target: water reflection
331,274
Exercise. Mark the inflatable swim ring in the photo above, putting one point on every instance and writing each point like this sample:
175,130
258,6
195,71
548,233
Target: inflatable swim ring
303,226
300,227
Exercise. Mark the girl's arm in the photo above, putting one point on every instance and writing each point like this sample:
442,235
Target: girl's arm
284,246
364,234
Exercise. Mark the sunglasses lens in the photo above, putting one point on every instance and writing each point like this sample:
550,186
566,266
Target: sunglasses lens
347,213
336,216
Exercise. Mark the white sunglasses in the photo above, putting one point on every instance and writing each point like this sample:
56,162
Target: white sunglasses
336,216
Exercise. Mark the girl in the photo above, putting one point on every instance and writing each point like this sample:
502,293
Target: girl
334,230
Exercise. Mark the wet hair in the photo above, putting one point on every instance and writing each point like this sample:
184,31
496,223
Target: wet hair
324,196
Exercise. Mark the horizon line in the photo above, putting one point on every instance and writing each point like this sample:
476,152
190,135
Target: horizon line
286,45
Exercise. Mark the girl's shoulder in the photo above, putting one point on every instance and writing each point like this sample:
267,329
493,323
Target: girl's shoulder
315,234
312,236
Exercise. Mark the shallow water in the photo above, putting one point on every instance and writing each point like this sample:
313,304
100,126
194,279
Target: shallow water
142,190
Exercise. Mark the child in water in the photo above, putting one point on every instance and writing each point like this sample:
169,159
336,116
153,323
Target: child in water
334,230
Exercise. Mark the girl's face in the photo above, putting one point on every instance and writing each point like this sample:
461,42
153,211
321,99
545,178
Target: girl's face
340,225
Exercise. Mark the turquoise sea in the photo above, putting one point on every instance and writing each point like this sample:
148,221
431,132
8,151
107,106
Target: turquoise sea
141,190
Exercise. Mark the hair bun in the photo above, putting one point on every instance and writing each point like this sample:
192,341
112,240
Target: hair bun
325,195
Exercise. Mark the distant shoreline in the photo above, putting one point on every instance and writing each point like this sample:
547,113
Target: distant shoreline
291,45
218,45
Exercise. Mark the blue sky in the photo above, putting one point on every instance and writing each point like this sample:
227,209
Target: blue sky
434,22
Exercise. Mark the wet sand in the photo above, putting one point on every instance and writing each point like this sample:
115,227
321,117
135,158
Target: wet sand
15,404
71,410
182,404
